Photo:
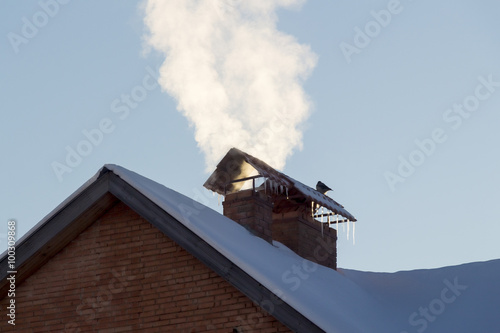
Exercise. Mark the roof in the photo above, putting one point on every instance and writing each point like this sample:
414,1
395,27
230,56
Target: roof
238,167
313,298
215,240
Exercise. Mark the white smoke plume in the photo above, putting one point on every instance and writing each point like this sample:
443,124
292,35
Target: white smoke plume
235,77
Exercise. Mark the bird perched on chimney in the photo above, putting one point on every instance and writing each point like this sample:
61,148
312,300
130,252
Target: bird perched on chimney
321,187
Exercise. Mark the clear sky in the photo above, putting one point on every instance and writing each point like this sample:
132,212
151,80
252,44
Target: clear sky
403,124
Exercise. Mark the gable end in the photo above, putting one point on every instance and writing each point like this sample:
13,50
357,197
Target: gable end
60,228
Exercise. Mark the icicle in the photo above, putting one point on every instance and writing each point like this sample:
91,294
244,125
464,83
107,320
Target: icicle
337,224
348,222
281,189
343,225
312,209
354,233
322,214
286,192
218,199
329,215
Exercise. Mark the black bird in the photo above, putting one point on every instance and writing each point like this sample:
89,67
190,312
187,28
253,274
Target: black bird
321,187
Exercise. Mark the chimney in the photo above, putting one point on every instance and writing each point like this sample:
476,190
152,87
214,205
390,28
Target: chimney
251,209
294,228
275,207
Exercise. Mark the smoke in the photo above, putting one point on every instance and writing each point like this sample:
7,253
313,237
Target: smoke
236,78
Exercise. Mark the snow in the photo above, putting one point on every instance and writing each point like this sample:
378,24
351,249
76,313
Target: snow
344,300
471,304
249,166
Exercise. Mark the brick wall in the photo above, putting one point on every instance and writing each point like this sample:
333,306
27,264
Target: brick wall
124,275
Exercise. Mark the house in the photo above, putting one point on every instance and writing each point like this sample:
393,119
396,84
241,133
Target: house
124,253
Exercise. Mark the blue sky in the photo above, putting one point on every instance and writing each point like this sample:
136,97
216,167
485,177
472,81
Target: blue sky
404,84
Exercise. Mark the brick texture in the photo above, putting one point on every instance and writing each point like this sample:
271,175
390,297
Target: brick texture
296,228
253,210
123,275
303,235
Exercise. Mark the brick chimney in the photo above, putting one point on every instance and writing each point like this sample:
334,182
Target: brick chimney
280,209
253,210
307,237
296,228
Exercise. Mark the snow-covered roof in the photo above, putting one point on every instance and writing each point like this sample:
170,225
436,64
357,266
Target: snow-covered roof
346,301
238,165
458,299
332,309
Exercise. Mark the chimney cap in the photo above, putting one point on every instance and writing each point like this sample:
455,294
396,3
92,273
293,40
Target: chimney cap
236,167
